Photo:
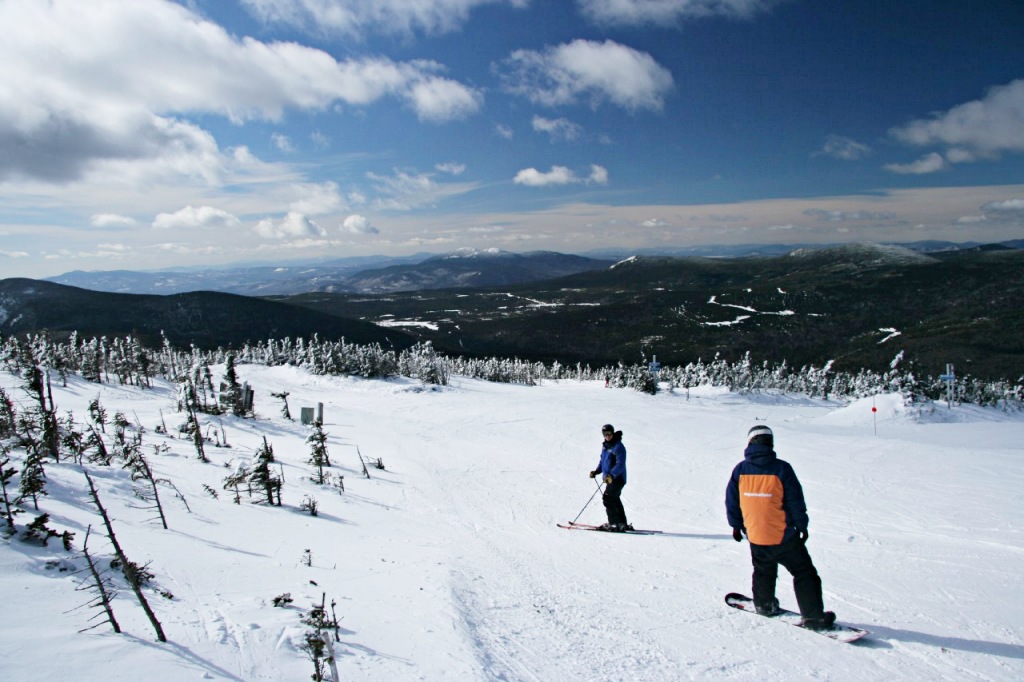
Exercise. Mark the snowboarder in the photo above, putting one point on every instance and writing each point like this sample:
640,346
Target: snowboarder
764,500
612,470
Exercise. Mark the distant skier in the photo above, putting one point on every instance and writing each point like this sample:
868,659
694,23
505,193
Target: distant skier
612,470
765,500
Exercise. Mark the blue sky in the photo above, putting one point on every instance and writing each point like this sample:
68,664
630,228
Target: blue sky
142,134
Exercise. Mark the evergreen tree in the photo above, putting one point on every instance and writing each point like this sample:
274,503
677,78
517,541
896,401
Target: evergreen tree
33,480
8,417
231,390
6,474
98,413
263,476
318,451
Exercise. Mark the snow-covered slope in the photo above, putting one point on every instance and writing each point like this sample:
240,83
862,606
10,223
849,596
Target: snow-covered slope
447,564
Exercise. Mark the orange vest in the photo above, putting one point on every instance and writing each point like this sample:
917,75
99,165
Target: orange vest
761,503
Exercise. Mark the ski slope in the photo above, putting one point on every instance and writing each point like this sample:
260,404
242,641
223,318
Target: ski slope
447,564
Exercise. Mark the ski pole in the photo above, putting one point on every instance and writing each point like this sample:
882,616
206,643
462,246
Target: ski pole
588,502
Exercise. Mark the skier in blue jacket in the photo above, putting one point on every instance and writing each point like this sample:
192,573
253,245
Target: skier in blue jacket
612,470
764,499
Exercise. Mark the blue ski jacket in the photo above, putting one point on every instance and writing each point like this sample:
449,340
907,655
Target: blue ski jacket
765,498
613,458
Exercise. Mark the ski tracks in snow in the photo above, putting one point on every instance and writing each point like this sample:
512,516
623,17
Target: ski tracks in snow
538,620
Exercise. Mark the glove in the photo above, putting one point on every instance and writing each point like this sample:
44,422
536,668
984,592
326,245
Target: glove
608,479
802,535
737,535
593,474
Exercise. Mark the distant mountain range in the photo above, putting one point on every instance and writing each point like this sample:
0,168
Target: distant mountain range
466,268
857,306
381,274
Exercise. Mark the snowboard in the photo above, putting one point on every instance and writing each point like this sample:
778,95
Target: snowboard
839,632
572,525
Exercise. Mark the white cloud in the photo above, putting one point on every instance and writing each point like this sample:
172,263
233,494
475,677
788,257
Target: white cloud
930,163
439,100
598,175
668,12
404,191
320,140
451,168
282,142
109,82
354,18
188,218
844,148
316,198
504,131
838,216
559,175
1008,206
981,129
1006,212
585,69
558,128
111,220
292,226
357,224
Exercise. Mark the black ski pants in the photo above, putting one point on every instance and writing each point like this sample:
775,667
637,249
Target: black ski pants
612,499
794,556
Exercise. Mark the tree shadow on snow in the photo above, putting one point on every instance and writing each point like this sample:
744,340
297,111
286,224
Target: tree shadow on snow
879,634
190,657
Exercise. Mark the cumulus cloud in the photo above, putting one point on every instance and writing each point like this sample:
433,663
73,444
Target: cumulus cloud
558,128
930,163
292,226
668,12
191,218
357,224
586,69
109,81
598,175
981,129
844,148
377,16
559,175
504,131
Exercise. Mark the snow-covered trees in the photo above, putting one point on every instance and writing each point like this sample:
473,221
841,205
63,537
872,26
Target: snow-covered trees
125,358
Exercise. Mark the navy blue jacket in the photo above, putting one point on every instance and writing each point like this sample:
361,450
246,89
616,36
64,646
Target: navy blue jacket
613,458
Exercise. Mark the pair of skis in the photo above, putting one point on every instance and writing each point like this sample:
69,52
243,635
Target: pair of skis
572,525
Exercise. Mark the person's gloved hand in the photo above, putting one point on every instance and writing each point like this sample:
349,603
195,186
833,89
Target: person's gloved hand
802,535
608,479
593,474
737,535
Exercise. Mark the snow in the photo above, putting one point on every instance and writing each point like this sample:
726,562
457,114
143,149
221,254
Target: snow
406,323
447,564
